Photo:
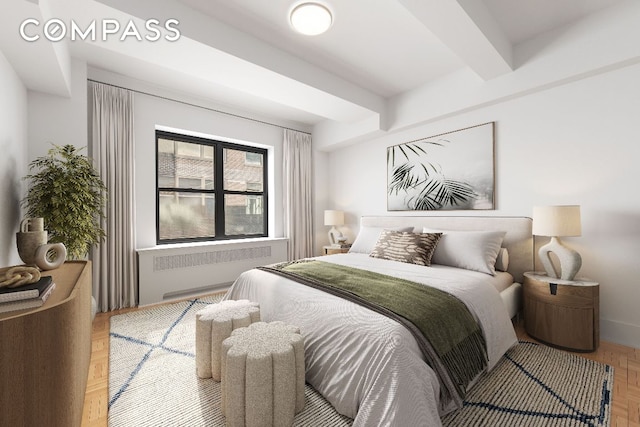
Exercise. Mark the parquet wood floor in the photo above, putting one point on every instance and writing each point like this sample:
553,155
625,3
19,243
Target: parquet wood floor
625,360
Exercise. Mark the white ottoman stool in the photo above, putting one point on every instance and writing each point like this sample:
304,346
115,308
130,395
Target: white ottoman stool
263,375
214,323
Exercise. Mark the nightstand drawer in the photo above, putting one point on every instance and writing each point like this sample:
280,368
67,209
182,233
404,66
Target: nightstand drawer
562,313
565,295
561,326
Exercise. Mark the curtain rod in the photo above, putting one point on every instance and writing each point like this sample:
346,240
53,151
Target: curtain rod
199,106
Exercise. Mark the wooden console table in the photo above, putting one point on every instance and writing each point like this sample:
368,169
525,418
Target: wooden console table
45,352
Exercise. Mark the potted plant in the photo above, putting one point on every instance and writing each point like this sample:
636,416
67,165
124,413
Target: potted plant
66,190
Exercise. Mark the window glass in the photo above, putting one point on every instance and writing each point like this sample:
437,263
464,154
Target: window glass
189,183
238,173
243,215
183,170
254,186
188,149
166,181
254,159
166,146
186,215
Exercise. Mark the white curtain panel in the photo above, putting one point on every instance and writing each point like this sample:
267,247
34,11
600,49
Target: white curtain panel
112,139
298,223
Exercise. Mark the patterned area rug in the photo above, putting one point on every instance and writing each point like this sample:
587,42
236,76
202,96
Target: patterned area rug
152,381
535,385
152,373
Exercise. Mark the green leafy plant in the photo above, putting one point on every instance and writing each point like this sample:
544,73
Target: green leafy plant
66,190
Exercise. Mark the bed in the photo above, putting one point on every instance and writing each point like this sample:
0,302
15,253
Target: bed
370,367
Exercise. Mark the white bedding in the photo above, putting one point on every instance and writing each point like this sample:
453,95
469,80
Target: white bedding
368,366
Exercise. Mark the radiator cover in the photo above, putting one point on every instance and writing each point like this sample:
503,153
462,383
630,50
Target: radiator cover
175,271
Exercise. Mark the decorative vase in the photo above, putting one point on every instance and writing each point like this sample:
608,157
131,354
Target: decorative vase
30,237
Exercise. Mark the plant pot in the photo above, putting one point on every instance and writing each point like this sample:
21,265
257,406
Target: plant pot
28,243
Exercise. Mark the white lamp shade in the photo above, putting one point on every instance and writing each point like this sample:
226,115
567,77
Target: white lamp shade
333,218
557,221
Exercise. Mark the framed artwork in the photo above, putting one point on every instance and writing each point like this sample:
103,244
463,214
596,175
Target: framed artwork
450,171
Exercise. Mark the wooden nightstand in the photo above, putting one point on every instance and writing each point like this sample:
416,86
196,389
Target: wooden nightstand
330,250
562,313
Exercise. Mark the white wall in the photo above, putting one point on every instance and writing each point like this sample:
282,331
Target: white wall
322,198
13,158
573,144
59,120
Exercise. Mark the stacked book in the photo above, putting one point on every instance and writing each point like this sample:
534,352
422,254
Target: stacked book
26,296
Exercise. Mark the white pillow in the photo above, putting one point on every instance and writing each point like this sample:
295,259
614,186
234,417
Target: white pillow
471,250
368,237
502,261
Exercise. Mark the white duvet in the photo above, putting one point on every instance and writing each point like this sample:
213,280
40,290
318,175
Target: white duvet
368,366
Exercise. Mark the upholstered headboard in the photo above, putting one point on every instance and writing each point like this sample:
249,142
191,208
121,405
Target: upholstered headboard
518,240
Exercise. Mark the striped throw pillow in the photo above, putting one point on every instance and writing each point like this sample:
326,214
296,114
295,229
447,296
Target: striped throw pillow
412,248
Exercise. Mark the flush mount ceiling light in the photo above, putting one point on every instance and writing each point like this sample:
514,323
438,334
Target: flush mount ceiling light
311,18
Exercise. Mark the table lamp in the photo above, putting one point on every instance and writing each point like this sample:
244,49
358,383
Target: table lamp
334,218
555,222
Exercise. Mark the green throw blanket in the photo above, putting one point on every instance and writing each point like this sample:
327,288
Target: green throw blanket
448,335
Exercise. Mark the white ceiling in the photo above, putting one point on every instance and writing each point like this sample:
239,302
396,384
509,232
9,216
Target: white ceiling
523,20
380,62
377,44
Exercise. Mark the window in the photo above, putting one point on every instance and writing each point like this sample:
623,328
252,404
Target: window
199,198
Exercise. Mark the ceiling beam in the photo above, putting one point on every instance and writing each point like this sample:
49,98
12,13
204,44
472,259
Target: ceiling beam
30,59
469,30
212,50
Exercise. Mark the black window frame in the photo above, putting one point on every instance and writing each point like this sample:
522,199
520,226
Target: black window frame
218,187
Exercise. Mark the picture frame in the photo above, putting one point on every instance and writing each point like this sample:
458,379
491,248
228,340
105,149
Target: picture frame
449,171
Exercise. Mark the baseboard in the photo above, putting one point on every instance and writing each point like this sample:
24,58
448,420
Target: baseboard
198,292
620,333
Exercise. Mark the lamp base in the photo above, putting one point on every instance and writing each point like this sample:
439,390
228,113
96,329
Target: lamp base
570,260
334,236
